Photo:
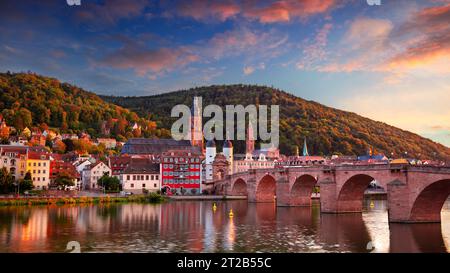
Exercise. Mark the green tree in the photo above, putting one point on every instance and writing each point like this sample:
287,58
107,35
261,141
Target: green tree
6,181
109,183
64,179
26,185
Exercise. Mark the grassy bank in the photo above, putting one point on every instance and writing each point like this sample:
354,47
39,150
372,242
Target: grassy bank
150,198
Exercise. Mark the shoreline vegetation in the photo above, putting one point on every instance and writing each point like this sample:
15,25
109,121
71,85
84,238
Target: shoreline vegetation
152,198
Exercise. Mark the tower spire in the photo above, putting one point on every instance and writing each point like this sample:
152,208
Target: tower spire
305,148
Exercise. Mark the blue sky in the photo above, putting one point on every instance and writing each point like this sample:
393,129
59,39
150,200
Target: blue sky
387,62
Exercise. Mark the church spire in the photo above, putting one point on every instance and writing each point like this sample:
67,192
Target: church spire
305,148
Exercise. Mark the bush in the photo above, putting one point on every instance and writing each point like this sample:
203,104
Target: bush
154,197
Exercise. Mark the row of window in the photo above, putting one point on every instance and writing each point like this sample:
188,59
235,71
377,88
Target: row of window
181,173
192,166
39,179
181,159
39,171
121,165
255,164
141,177
143,185
181,181
44,164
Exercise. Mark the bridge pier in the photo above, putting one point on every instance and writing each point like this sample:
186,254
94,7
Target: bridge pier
415,193
398,202
251,190
283,193
328,199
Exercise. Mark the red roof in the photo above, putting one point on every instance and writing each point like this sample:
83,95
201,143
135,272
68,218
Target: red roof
38,155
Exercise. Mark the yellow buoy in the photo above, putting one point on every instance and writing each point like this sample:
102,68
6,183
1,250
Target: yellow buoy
372,205
231,214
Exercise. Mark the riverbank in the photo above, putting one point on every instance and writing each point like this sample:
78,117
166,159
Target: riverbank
30,201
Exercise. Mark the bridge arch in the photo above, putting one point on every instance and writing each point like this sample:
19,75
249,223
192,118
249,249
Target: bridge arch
266,189
301,190
351,194
239,187
428,204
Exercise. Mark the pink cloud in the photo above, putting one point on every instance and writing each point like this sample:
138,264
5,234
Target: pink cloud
286,10
274,11
142,60
316,51
204,9
430,41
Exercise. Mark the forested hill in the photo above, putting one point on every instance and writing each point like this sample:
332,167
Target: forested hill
328,130
30,100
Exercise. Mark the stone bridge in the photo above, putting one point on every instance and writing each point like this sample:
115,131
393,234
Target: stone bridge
414,193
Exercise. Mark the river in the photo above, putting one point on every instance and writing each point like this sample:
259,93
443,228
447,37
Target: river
193,226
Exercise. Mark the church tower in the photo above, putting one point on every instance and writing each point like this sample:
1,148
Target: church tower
228,153
196,123
250,140
305,148
211,153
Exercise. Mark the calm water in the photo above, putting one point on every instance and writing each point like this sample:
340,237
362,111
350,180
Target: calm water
192,226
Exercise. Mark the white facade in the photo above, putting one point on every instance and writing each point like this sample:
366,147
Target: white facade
15,163
93,173
137,182
80,167
209,159
249,163
228,153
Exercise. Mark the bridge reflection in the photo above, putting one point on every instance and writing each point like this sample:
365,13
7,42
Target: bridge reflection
193,226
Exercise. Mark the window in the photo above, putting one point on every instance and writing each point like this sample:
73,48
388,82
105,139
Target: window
157,177
146,177
143,185
128,177
134,177
39,164
154,185
153,177
131,185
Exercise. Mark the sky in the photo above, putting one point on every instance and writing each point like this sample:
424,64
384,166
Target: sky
388,62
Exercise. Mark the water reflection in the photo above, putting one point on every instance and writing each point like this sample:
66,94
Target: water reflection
196,227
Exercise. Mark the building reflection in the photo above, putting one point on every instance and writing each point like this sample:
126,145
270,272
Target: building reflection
192,226
416,238
346,231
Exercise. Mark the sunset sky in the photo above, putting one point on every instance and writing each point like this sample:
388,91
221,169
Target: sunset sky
390,63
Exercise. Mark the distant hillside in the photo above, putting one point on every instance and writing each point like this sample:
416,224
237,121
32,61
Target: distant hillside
30,100
328,130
